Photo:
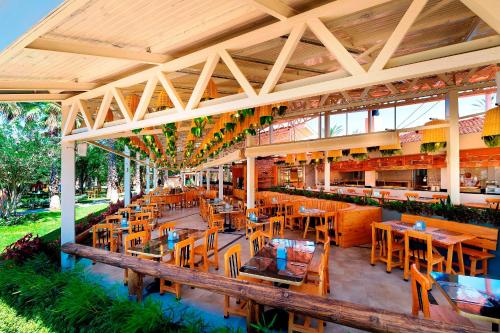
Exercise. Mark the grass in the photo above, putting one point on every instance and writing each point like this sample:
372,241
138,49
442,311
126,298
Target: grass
46,225
12,322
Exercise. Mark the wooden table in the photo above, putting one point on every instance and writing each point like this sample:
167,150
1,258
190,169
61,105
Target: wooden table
219,209
482,205
471,296
445,238
265,265
307,213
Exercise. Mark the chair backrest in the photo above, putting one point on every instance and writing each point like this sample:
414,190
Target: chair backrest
102,235
137,226
418,245
419,292
440,196
411,195
330,219
232,261
184,253
114,219
367,192
144,216
493,203
211,238
277,224
384,194
125,212
381,235
134,239
165,227
256,242
351,190
252,210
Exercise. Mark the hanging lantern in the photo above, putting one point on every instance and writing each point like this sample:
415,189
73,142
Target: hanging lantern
211,91
164,101
280,108
433,139
290,159
359,153
302,158
265,115
491,127
132,101
334,155
389,150
109,116
317,157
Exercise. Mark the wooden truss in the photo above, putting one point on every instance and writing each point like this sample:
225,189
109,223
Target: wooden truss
384,69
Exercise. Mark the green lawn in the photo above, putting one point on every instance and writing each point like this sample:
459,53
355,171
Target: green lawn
12,322
49,222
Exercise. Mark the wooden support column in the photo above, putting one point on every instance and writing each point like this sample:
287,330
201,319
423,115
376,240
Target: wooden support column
250,182
221,182
126,177
67,200
453,149
137,177
148,176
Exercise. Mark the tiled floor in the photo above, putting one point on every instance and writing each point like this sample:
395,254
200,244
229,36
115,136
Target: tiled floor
351,276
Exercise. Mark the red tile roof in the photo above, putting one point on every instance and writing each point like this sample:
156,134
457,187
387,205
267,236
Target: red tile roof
467,126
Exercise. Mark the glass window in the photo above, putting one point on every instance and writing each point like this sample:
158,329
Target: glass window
338,125
468,105
384,120
418,114
357,122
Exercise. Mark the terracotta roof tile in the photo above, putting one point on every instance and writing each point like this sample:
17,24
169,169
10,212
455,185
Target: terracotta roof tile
467,126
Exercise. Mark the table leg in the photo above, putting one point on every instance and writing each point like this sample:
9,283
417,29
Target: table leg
307,226
460,256
449,259
250,315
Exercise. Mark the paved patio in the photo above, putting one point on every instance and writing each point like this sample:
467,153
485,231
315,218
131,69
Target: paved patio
351,276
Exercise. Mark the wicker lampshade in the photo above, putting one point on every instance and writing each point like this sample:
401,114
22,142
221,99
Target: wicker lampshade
132,102
491,127
302,157
164,101
435,134
335,153
395,146
358,151
109,116
290,159
317,155
211,91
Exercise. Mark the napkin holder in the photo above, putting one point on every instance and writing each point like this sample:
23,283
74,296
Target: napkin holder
419,225
124,223
302,209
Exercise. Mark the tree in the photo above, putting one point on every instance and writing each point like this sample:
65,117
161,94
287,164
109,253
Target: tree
23,156
335,130
91,167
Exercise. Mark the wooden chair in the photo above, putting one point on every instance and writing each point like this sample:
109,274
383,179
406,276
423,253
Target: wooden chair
383,247
151,210
411,196
126,212
232,264
309,289
184,257
142,216
493,203
248,224
313,271
420,286
165,228
115,220
327,228
103,237
215,220
256,242
132,240
240,219
294,219
276,228
418,246
138,226
210,244
439,197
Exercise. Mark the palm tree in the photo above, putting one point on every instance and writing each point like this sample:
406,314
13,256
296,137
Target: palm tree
336,129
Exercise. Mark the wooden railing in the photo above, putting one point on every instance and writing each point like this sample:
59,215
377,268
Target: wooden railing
336,311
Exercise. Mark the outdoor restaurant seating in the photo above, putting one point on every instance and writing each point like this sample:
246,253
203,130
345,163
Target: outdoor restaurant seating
103,237
131,240
137,226
384,247
183,257
210,244
418,248
276,228
420,285
256,242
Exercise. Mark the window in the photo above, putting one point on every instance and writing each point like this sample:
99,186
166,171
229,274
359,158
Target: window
418,114
384,120
468,105
338,124
357,122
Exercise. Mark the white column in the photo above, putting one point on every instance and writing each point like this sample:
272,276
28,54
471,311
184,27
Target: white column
221,182
327,175
208,180
155,176
137,176
126,178
250,182
453,148
67,200
148,176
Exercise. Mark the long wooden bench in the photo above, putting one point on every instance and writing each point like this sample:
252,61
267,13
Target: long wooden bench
476,249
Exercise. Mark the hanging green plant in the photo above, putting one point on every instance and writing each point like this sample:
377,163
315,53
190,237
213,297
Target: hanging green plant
492,140
266,120
432,147
230,126
218,136
137,131
280,110
359,157
390,152
333,159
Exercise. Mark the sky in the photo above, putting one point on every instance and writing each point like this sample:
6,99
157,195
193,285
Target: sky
18,16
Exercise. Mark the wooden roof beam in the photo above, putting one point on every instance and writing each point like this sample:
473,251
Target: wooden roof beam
275,8
33,97
487,10
47,85
95,50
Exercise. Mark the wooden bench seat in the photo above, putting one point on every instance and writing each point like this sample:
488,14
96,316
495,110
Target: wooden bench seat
476,249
